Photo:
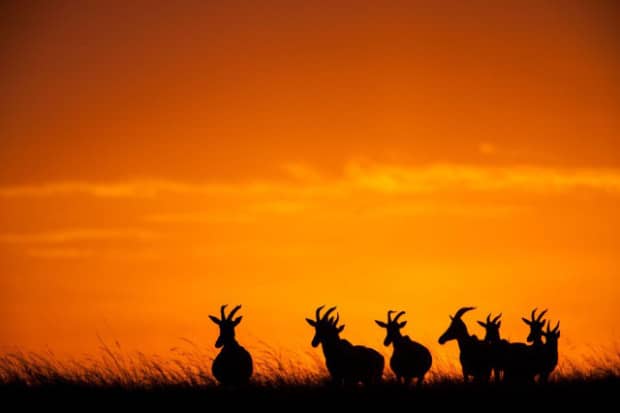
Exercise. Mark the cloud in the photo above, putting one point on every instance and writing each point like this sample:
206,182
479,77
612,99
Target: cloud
77,235
53,253
451,178
244,213
304,182
361,192
301,172
200,217
425,208
129,189
487,148
110,254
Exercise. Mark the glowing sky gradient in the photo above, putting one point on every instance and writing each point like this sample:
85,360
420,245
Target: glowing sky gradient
159,160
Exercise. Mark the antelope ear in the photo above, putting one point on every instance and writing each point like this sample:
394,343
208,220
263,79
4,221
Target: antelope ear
215,319
381,324
237,321
401,325
311,322
341,328
482,324
526,321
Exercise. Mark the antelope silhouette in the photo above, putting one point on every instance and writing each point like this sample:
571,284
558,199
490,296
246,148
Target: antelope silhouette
233,364
549,355
346,363
474,353
409,359
522,362
491,328
536,324
497,347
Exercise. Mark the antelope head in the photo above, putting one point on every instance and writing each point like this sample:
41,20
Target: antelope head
457,327
393,327
536,324
227,326
325,327
492,327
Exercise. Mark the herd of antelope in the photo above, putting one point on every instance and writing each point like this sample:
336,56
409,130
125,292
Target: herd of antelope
354,364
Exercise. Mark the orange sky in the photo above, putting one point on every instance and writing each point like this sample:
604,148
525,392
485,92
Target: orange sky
160,159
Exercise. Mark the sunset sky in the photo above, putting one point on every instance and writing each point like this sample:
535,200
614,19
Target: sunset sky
160,159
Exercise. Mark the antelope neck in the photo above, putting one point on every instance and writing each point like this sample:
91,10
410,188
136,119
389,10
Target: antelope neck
400,339
330,346
464,339
232,343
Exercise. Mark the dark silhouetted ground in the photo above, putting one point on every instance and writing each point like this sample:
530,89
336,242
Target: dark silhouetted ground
117,382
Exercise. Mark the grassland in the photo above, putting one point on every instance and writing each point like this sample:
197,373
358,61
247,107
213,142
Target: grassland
183,379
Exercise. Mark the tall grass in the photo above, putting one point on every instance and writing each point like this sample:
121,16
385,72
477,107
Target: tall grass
189,366
111,368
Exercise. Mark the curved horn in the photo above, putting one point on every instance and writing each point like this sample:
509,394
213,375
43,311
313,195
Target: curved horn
327,313
462,311
232,313
336,320
533,315
541,315
489,318
318,312
399,315
222,308
496,319
390,315
556,328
